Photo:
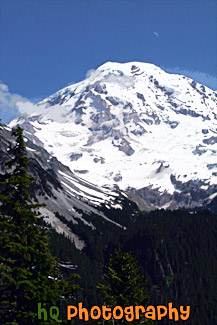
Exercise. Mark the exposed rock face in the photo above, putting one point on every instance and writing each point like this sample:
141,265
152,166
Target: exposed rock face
75,156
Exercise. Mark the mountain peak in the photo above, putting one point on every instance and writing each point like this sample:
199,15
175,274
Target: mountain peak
132,125
128,67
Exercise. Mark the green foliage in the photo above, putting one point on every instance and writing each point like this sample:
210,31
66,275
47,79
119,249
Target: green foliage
177,251
28,272
126,287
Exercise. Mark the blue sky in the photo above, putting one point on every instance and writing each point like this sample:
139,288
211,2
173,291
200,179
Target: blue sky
48,44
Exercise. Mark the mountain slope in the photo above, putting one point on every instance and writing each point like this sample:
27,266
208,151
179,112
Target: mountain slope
134,127
69,199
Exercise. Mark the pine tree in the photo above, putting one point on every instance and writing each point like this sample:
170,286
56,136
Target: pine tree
126,286
28,272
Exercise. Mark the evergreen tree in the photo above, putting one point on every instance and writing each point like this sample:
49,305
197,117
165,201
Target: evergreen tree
28,272
126,287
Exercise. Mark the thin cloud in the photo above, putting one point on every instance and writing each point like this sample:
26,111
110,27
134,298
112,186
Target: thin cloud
52,113
156,34
90,72
12,105
8,102
29,108
201,77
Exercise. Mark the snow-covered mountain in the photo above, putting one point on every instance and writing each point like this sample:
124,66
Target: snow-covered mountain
134,127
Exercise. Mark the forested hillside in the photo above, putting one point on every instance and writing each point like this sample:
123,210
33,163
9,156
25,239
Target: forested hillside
177,253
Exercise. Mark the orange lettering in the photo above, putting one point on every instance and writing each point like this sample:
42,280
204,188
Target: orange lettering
187,312
129,313
163,313
173,311
137,309
82,311
150,313
115,312
92,314
106,310
69,314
